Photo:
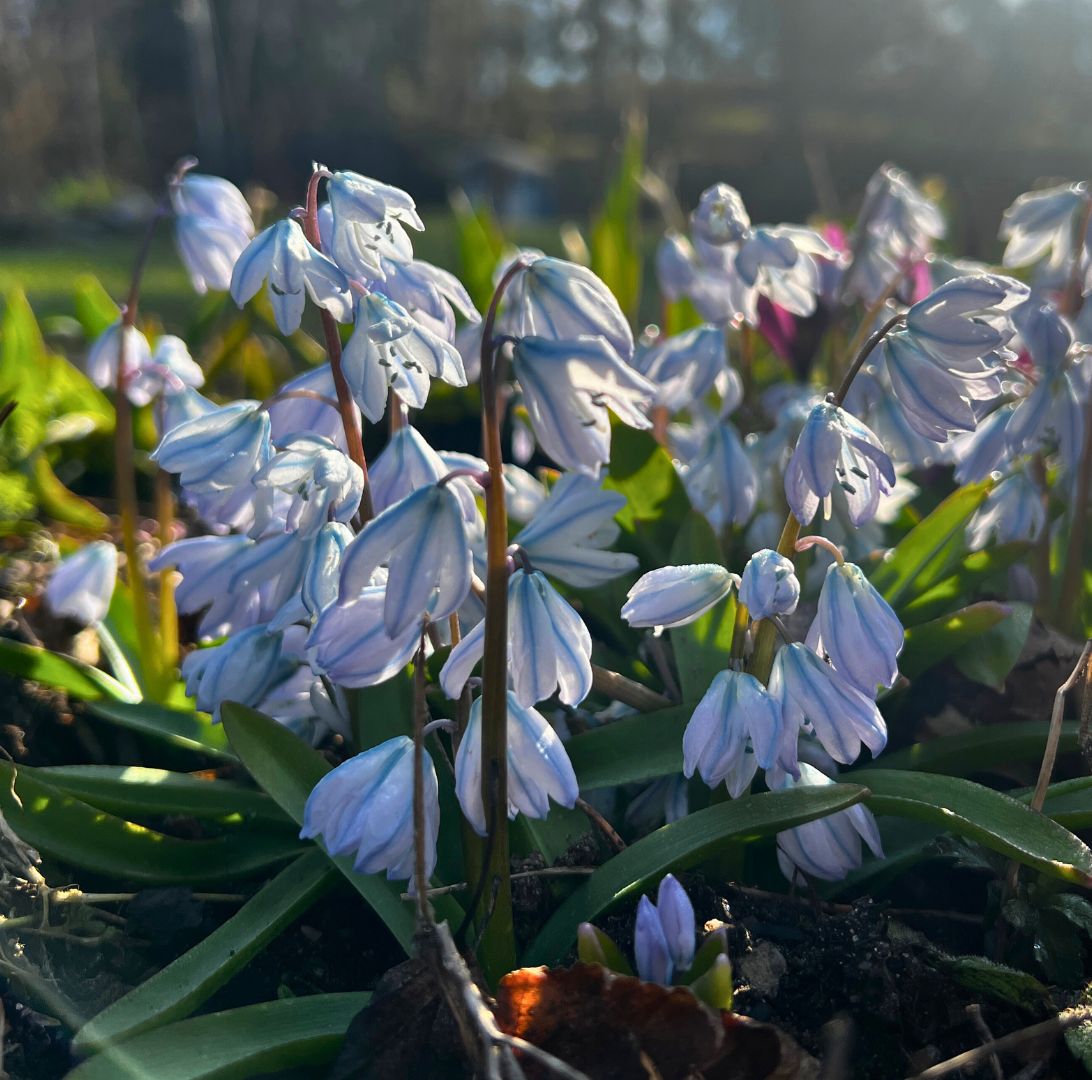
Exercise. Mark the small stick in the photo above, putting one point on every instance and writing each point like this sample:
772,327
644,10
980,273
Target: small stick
1052,1027
983,1029
613,685
601,823
545,871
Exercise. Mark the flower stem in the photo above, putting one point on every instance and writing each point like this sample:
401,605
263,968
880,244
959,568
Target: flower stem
125,475
498,938
420,717
168,611
839,395
345,404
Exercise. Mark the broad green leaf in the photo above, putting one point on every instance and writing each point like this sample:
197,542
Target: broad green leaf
633,749
61,672
381,712
986,747
1069,802
656,500
932,642
239,1044
187,730
702,647
95,308
990,657
60,504
679,845
973,573
66,828
287,769
132,790
22,357
979,813
188,982
986,978
931,550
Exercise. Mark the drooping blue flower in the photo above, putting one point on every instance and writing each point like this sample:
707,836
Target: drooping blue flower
1041,222
406,464
430,295
769,585
568,386
778,262
685,366
105,352
827,848
676,595
720,216
538,766
423,542
82,585
366,223
549,647
213,226
169,370
244,668
282,256
735,728
290,414
569,532
664,936
322,481
860,632
364,808
562,301
720,478
218,450
841,715
390,349
984,450
835,447
1012,511
319,584
350,644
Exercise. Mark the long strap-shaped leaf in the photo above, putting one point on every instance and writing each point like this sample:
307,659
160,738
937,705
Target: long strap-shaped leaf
682,844
70,830
186,730
234,1045
188,982
287,769
980,813
62,672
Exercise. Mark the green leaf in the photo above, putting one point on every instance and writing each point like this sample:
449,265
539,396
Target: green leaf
714,986
69,829
605,757
931,550
481,244
595,946
655,498
131,790
979,813
187,730
57,502
986,747
381,712
287,769
238,1044
1069,802
974,572
985,978
95,308
681,844
702,647
61,672
990,657
188,982
932,642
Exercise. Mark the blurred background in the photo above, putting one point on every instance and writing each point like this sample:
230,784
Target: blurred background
522,105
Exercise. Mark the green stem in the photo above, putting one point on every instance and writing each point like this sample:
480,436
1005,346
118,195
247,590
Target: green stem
498,949
119,665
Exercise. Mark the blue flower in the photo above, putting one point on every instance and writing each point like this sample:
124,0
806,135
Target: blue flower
169,370
769,585
282,255
364,808
390,349
1039,222
243,669
538,766
549,647
105,351
83,584
218,450
321,480
676,595
835,447
720,478
684,367
860,632
423,542
431,295
569,532
720,216
560,300
568,386
735,728
289,414
1012,511
827,848
207,566
841,715
212,228
778,263
983,450
406,464
664,934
